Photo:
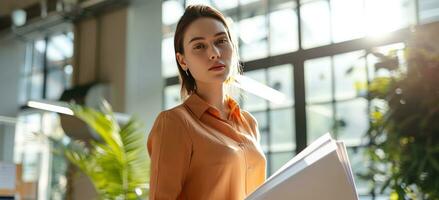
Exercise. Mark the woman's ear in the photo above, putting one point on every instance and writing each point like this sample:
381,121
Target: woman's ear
181,60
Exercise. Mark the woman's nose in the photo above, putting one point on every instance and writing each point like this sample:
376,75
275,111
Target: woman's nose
214,54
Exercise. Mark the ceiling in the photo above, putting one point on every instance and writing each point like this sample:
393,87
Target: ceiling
7,6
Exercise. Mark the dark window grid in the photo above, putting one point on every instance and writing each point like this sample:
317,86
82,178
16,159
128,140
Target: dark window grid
269,157
268,130
334,100
29,56
329,50
27,78
299,57
26,72
48,68
236,11
282,151
271,108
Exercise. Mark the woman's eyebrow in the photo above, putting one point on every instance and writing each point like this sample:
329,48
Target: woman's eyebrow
202,38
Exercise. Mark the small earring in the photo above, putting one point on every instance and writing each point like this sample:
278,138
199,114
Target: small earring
187,73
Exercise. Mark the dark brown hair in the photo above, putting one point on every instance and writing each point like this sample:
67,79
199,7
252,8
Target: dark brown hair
192,13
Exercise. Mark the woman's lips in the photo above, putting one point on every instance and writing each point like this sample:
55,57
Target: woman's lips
217,68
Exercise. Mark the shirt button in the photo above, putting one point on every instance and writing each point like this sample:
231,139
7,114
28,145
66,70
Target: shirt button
241,145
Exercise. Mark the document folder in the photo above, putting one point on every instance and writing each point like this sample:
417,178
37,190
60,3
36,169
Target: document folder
320,172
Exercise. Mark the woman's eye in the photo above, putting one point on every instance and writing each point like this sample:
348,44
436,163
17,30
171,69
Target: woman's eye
199,46
222,41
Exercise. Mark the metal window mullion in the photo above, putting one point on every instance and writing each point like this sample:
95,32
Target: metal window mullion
299,24
300,105
45,67
417,12
269,129
333,100
28,78
299,88
331,29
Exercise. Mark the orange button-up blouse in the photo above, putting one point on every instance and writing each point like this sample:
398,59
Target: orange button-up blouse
197,155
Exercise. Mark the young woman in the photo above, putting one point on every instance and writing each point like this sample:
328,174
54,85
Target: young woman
207,147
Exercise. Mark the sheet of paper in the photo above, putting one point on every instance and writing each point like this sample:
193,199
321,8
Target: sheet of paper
321,171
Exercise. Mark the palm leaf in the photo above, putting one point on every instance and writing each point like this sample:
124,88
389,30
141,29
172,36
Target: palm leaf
117,164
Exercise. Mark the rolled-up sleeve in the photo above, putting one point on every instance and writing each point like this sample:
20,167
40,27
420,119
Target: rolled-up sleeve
169,148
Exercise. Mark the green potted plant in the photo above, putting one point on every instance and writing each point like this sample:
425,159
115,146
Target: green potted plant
117,163
404,133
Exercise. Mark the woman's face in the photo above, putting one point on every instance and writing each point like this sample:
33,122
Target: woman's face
207,51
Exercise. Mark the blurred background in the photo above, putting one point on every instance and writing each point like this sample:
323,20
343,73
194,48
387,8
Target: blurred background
320,54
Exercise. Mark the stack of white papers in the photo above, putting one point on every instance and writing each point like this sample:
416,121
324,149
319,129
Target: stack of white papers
320,171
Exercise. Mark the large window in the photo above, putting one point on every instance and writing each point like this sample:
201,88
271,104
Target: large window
46,74
276,120
315,52
42,169
48,70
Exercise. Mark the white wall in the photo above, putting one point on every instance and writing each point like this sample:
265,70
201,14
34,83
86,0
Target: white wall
7,133
12,53
144,82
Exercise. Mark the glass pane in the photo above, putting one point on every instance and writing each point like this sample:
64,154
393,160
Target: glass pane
350,75
281,79
319,120
279,159
281,4
396,49
51,124
253,35
318,80
27,67
204,2
234,28
315,20
36,86
359,163
55,84
22,92
68,72
251,101
28,82
347,19
58,179
283,31
352,120
171,12
282,130
27,124
261,118
172,96
225,4
389,15
428,11
169,64
38,55
244,2
60,48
